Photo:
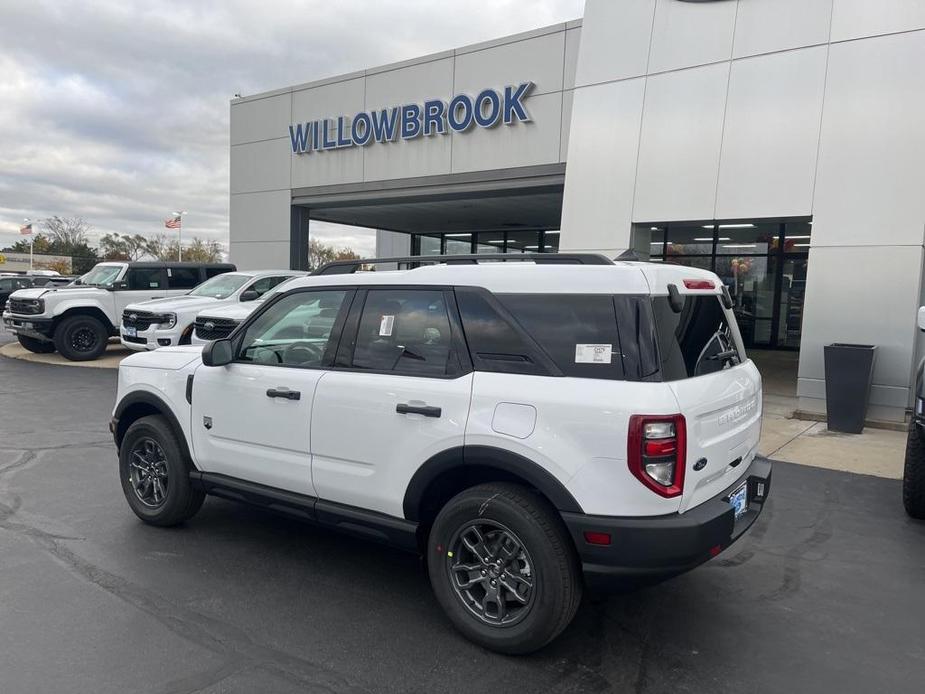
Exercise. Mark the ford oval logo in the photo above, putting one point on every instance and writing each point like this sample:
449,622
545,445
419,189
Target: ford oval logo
133,316
209,325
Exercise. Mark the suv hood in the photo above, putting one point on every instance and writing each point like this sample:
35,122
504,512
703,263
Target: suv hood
38,292
165,358
235,311
175,303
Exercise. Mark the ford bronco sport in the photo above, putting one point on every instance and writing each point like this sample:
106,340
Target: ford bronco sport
532,428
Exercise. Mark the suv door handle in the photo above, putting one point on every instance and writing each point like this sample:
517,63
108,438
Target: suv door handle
426,410
284,393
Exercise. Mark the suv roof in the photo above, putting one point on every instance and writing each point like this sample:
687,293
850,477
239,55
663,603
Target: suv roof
528,278
161,263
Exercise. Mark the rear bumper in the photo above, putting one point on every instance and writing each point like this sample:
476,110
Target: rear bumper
38,328
657,547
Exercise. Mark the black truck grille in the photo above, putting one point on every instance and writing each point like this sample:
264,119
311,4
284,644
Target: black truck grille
215,328
23,307
142,320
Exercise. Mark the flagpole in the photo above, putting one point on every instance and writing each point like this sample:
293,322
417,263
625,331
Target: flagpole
180,235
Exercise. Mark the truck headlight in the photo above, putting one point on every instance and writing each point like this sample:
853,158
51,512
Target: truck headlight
168,320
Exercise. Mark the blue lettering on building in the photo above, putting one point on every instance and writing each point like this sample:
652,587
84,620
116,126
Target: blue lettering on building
410,121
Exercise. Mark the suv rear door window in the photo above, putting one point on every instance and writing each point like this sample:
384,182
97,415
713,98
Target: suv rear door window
578,331
405,331
696,341
140,278
182,277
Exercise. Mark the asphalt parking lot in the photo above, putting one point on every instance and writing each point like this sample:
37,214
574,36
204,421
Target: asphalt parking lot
825,594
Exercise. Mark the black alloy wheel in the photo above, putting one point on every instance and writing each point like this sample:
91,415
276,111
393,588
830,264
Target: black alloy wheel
491,573
148,472
154,470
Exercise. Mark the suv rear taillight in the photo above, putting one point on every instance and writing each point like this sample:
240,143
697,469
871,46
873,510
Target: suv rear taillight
657,451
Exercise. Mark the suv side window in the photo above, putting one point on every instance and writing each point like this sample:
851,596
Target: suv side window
578,331
295,331
406,331
494,343
182,277
143,278
265,284
6,283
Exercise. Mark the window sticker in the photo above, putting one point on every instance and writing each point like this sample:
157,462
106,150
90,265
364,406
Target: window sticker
593,354
385,326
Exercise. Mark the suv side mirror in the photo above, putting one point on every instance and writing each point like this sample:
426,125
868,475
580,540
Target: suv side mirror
120,285
921,320
249,295
218,353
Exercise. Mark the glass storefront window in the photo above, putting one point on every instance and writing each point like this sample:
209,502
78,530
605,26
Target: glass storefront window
523,242
490,243
551,242
765,278
458,244
685,240
428,245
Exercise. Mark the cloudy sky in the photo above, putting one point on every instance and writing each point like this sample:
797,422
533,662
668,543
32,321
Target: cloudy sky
117,110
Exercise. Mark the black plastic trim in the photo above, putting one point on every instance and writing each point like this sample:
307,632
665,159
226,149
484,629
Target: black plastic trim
480,457
349,519
145,398
658,547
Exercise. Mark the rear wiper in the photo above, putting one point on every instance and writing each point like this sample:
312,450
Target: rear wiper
405,352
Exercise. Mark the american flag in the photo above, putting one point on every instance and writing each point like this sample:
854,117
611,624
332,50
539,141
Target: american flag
26,229
173,222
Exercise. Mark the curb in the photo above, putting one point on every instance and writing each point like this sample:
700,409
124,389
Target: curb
115,352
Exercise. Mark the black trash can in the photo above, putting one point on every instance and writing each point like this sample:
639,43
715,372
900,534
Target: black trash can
848,372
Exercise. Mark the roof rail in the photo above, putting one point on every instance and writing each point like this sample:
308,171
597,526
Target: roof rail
346,267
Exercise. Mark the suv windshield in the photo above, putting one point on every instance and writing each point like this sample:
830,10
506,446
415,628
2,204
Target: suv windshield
102,275
220,286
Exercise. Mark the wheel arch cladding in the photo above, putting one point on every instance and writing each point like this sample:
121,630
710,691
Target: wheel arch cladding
449,472
90,311
134,406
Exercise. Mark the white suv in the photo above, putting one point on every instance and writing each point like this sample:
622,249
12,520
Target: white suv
78,320
166,322
531,428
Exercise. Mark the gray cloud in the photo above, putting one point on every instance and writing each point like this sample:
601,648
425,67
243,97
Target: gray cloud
117,110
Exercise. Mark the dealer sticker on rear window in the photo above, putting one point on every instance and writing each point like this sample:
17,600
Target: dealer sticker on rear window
385,326
593,354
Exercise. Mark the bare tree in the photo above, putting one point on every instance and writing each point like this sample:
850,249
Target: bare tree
123,246
67,232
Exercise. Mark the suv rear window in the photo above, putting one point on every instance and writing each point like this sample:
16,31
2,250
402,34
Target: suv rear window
578,331
696,341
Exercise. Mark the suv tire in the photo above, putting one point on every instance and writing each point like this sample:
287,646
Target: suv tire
35,345
481,528
81,338
914,474
149,452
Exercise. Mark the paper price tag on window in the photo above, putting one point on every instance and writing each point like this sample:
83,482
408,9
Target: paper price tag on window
385,326
593,354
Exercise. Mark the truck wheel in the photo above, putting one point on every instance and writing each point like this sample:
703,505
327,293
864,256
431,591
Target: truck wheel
914,474
155,474
36,345
503,568
81,338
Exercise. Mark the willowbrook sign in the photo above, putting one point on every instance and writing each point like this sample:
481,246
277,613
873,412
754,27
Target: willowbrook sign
433,117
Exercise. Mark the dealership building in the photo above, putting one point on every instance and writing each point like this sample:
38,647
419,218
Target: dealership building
779,143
